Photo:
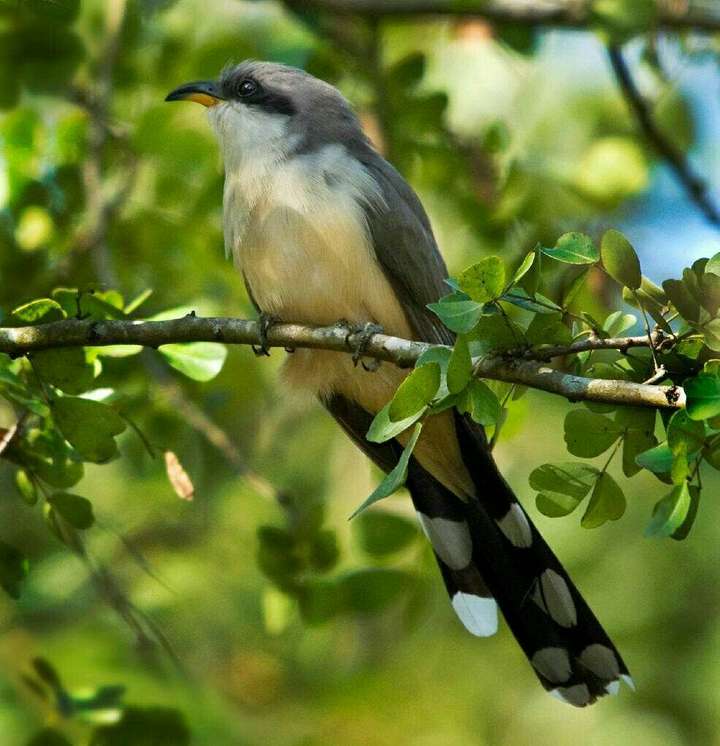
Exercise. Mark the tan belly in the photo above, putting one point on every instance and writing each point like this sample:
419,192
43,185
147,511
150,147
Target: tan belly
318,271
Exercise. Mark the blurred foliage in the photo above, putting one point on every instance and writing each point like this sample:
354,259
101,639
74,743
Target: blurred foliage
249,610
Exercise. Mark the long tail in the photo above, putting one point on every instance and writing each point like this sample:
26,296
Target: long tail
490,554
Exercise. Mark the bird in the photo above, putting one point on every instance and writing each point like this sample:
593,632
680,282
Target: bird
323,229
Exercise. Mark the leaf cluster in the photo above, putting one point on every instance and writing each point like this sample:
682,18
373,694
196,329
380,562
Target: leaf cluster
68,417
482,310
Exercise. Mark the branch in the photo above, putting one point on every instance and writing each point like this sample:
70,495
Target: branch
562,13
546,352
695,186
402,352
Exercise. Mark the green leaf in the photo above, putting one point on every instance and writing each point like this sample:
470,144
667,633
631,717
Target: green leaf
575,287
607,503
137,301
200,361
278,556
658,460
620,260
495,333
481,403
636,418
441,356
40,311
713,265
573,248
588,434
407,72
548,329
683,530
524,268
46,454
90,304
683,300
76,510
618,323
415,392
89,426
709,296
670,513
381,533
459,367
555,504
396,478
484,281
711,332
682,431
382,428
26,487
568,478
94,705
562,486
373,589
66,368
460,316
116,351
703,396
635,443
13,569
324,551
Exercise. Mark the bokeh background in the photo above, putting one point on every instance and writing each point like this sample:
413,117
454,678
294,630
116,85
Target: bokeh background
511,135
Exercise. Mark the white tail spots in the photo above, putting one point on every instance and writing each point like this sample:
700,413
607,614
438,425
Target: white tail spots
628,680
613,688
478,614
516,527
578,695
601,661
450,540
553,596
553,664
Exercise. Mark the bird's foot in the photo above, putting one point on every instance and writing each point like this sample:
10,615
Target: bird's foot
358,338
266,321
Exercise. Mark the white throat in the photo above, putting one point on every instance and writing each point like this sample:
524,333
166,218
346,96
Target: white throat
253,144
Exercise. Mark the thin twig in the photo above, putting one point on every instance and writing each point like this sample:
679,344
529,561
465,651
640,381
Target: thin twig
695,186
533,13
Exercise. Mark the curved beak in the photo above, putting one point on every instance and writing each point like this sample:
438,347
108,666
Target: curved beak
205,92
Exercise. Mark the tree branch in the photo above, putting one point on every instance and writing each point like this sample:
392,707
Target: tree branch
695,186
563,13
403,353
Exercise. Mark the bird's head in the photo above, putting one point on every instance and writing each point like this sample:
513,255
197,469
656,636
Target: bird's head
256,107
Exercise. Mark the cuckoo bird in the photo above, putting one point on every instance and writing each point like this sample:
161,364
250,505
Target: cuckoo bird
323,228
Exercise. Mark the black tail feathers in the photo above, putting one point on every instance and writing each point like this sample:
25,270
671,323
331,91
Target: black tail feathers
490,554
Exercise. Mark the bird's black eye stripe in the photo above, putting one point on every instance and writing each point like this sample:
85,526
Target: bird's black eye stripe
246,88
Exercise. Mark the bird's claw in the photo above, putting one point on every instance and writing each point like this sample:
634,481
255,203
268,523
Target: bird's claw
358,338
265,322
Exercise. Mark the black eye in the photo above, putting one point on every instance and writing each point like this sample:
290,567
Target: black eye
246,88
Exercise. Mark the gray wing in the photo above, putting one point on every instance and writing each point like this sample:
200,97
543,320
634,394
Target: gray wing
406,249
